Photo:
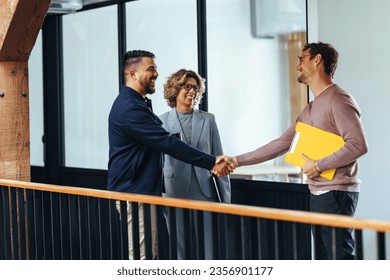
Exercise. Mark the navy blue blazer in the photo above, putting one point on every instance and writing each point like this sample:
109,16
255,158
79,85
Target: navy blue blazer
137,143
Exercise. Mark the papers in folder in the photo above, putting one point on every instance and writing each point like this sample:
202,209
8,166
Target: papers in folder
315,143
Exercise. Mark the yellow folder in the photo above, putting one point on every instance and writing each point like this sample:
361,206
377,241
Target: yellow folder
315,143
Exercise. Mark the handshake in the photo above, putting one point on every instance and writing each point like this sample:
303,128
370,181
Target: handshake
224,165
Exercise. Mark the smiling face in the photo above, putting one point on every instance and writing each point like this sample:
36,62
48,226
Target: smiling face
305,67
186,95
146,75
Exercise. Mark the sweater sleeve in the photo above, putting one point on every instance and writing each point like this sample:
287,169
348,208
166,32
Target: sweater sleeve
345,115
269,151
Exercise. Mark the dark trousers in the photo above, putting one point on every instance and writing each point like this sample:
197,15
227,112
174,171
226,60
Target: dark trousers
334,243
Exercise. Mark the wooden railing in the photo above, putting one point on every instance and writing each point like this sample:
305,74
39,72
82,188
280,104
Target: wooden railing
41,221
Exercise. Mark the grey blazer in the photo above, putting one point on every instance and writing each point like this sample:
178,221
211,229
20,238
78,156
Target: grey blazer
205,137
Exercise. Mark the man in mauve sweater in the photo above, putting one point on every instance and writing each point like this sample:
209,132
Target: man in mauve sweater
333,110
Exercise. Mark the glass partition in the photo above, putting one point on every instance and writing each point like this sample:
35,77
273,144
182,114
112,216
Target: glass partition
35,72
168,29
90,43
251,59
252,87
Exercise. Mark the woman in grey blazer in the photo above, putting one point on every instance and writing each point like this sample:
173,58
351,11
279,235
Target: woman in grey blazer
183,91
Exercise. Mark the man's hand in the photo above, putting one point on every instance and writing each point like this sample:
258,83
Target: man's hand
309,168
224,165
231,160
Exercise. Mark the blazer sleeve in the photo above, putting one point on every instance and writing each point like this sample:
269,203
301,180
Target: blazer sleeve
146,127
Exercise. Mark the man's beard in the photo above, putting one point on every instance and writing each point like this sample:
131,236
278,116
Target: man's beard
300,80
149,89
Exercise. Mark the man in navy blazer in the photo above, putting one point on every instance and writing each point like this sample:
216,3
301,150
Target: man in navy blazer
138,141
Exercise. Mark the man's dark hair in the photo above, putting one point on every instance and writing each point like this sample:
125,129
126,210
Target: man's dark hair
134,57
328,53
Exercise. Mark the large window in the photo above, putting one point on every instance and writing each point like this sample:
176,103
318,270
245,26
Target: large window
250,67
36,103
168,29
90,84
251,73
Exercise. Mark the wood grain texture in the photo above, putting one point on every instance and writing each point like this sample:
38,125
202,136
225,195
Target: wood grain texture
20,22
14,122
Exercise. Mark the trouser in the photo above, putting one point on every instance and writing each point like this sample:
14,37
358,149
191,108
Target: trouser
334,243
141,229
183,251
193,230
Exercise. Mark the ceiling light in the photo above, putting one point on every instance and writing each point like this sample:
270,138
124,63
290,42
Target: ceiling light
64,6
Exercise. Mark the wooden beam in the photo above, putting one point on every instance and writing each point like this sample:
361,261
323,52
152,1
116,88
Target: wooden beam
20,22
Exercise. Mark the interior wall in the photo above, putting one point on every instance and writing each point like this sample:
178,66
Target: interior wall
357,30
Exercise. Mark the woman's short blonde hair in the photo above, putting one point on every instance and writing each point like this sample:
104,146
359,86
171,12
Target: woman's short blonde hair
176,80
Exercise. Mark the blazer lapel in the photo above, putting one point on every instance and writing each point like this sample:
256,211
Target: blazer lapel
173,123
197,127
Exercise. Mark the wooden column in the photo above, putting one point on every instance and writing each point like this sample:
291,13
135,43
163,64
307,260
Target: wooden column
20,22
14,122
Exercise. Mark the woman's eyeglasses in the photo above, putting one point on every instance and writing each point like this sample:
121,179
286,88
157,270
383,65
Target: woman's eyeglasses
188,87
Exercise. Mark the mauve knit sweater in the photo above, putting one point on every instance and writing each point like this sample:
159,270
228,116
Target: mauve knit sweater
335,111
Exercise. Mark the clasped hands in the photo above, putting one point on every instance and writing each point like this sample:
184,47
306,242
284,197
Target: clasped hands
224,165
